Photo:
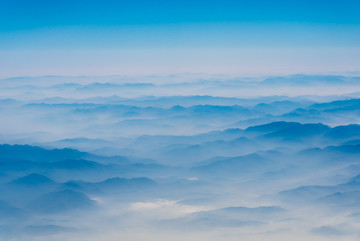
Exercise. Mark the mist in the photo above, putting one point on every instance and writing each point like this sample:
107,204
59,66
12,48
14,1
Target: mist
180,157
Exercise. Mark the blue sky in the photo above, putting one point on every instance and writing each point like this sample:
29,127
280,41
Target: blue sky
66,37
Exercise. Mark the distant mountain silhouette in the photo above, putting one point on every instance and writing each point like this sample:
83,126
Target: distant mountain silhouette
236,165
257,213
193,153
33,179
134,183
346,149
319,192
34,153
350,104
272,127
344,132
65,200
74,164
111,184
327,231
342,199
298,131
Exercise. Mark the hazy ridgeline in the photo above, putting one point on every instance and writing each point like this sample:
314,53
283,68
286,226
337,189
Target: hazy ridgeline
180,157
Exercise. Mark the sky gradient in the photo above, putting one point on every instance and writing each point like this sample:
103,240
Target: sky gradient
161,37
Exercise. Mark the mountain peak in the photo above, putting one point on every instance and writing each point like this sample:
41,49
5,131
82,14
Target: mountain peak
33,179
